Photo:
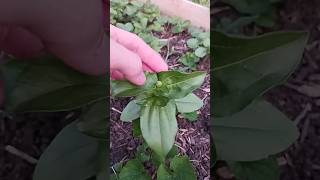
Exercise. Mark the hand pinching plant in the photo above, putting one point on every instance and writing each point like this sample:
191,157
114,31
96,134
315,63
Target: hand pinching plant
155,106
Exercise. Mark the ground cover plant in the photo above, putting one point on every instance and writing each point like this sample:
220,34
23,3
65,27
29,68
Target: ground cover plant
158,108
248,132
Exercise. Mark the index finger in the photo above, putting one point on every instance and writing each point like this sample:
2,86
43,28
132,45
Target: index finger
134,43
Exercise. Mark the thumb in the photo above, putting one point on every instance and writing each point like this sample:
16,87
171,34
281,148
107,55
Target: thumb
127,63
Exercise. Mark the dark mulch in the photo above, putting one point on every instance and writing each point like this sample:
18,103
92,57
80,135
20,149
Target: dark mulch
192,138
30,134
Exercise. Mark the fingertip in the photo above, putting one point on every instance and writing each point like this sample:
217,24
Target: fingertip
138,80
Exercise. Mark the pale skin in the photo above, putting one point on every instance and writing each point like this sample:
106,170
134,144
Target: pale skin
74,31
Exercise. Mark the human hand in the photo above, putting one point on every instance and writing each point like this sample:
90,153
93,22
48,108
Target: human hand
130,56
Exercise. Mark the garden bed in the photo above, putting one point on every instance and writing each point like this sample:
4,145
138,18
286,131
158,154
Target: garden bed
193,137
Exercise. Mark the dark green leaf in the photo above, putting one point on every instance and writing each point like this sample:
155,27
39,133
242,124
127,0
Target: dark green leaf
134,169
136,130
46,84
245,68
159,127
254,133
71,155
94,121
266,169
180,168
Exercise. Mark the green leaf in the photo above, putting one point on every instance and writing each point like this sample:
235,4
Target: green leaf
206,43
47,84
201,52
193,43
190,116
130,10
127,27
189,103
130,112
265,169
71,155
245,68
159,127
180,168
157,160
178,85
94,121
134,169
254,133
136,130
124,88
189,59
163,173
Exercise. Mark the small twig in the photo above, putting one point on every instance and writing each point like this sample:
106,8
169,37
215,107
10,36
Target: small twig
302,114
116,110
114,171
20,154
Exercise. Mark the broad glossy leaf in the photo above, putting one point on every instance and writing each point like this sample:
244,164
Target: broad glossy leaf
265,169
178,85
189,103
123,88
159,127
255,133
134,169
180,168
130,112
94,121
71,155
245,68
46,84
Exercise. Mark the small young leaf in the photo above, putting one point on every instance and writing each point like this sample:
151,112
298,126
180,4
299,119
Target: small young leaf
122,88
201,52
189,59
134,169
189,103
178,85
193,43
191,116
130,112
128,26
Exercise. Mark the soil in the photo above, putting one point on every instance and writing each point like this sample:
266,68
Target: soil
192,138
30,134
301,160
